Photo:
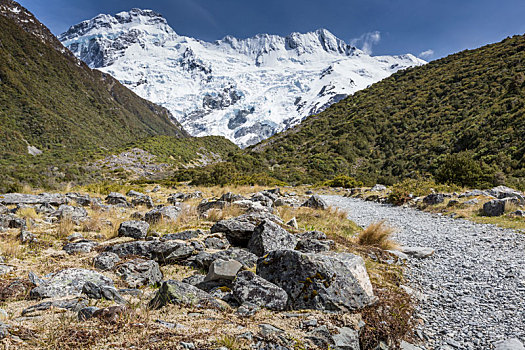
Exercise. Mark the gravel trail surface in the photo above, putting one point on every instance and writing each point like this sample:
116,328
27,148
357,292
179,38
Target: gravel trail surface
473,287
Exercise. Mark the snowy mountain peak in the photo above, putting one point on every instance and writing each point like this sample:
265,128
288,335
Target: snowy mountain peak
243,89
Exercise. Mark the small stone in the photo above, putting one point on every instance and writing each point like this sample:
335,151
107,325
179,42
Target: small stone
106,261
223,270
293,223
133,229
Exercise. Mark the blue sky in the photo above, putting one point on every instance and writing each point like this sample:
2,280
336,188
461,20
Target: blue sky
435,28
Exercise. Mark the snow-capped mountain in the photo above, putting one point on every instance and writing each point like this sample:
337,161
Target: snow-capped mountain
243,89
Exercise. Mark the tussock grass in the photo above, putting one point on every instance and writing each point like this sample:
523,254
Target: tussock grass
65,227
377,235
11,248
28,213
230,342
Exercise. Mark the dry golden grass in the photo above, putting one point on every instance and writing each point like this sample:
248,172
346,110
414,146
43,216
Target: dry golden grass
96,222
11,248
28,213
64,228
229,211
377,235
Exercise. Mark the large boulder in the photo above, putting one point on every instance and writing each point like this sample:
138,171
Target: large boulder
248,287
133,229
184,294
138,273
269,236
143,200
433,199
70,212
169,212
335,282
163,252
203,260
315,202
239,230
68,282
12,221
494,207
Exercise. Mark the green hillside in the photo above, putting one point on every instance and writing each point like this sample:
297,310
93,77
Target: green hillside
471,104
52,101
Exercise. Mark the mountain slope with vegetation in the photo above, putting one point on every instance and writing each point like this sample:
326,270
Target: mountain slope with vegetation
54,106
464,111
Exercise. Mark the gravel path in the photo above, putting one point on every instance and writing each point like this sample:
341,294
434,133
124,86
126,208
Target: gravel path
474,284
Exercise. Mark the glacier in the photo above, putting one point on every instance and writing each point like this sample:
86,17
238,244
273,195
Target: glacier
243,89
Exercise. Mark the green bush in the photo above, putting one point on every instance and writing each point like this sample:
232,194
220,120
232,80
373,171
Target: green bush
343,181
461,169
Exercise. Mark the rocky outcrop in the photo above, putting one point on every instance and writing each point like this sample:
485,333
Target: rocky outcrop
164,213
337,282
494,207
223,270
315,202
163,252
105,261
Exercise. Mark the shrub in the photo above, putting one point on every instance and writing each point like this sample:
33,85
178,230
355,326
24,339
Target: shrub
343,181
461,169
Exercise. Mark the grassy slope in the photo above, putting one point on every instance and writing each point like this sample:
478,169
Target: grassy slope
470,101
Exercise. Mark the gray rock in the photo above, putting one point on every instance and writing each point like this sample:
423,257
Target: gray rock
12,221
520,213
407,346
509,344
55,199
184,235
163,252
502,192
105,261
223,270
74,236
216,243
182,197
248,287
33,278
347,339
83,199
378,188
93,291
315,202
68,282
321,337
238,231
115,198
269,236
26,237
231,197
434,198
81,246
262,198
169,212
138,273
74,305
3,209
494,207
5,269
180,293
314,245
189,346
474,193
247,309
336,282
194,279
3,315
267,329
133,229
4,331
86,313
70,212
418,252
206,206
143,200
133,193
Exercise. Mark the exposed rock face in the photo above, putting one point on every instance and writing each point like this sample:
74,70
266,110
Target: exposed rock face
133,229
269,236
55,199
12,221
68,211
248,287
502,192
68,282
93,291
139,272
335,282
315,202
418,252
239,230
142,200
165,213
180,293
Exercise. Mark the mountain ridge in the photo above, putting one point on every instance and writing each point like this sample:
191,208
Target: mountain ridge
243,89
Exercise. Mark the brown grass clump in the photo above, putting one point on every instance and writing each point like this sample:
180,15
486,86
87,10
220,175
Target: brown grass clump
11,247
28,213
230,342
95,223
65,227
377,235
14,289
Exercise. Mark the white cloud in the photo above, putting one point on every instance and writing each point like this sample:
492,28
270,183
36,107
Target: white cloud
426,54
367,41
